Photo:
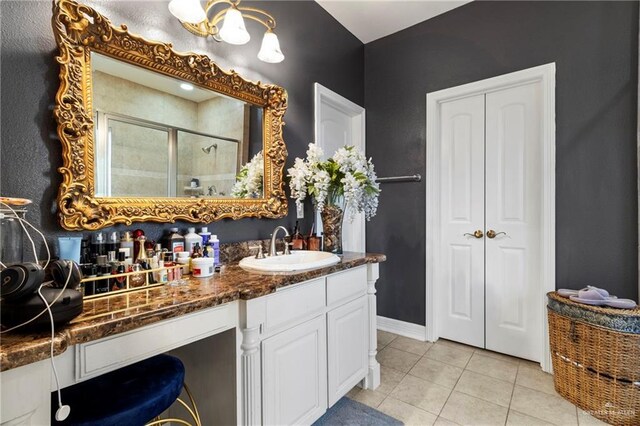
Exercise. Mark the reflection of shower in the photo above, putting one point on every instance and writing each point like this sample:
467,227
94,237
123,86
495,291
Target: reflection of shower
207,150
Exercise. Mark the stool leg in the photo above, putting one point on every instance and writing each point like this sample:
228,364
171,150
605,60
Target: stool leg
193,412
196,416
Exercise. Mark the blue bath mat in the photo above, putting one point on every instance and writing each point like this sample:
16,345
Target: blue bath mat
347,412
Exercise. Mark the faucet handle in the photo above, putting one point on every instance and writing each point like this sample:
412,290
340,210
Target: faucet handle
287,247
260,253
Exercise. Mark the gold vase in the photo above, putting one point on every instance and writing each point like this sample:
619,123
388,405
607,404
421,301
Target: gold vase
332,217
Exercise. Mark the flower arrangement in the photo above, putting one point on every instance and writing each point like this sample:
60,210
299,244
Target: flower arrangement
249,179
346,180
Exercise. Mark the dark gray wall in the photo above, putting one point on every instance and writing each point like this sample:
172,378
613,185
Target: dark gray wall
316,48
595,47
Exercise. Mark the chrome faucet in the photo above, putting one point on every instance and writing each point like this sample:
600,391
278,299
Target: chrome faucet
272,247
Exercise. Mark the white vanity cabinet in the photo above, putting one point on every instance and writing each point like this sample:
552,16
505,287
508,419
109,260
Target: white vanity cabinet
306,345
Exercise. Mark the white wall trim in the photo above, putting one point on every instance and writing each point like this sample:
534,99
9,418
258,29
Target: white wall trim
546,75
402,328
323,95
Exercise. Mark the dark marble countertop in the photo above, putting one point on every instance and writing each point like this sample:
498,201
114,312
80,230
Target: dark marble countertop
119,313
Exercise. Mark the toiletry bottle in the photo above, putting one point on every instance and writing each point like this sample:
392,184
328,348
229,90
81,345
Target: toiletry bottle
112,241
126,242
175,241
136,243
89,271
102,286
141,254
197,251
191,239
296,239
120,282
206,236
98,247
138,279
215,243
85,251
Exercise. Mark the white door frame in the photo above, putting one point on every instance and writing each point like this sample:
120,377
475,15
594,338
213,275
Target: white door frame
546,75
321,95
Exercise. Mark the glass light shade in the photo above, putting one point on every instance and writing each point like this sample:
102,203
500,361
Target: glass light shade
270,49
190,11
233,30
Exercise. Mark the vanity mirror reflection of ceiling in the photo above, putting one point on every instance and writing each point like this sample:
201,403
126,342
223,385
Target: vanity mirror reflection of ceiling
152,80
370,20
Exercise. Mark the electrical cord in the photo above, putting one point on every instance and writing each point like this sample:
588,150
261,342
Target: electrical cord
63,411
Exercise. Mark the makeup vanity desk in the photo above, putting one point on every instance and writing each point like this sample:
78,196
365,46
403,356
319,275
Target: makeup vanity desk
270,335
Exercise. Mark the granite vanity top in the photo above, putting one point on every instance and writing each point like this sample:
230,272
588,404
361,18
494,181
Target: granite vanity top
119,313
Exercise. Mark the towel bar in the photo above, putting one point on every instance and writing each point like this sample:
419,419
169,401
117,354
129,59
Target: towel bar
393,179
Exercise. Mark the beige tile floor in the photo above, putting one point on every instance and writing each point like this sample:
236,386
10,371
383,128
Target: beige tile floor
447,383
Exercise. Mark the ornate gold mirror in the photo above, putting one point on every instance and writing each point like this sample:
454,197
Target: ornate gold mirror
150,134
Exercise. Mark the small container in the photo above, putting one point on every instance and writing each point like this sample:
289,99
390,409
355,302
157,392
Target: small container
69,248
185,262
11,235
202,267
183,255
314,243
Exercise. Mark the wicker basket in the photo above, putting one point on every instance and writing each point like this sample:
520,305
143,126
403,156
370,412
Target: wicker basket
596,358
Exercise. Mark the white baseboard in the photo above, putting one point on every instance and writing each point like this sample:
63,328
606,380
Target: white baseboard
402,328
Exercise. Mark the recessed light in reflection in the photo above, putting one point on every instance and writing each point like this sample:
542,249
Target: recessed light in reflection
186,86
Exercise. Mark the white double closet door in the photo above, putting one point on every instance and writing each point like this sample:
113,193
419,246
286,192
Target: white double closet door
491,204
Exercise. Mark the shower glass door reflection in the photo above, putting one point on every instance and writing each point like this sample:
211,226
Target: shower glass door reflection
134,158
206,166
139,158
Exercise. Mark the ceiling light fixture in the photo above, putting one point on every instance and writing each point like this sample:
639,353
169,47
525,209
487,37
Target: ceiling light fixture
195,19
186,86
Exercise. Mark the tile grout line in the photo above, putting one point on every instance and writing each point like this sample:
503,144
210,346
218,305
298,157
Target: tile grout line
513,390
454,386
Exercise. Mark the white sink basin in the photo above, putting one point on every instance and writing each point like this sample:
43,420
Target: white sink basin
296,261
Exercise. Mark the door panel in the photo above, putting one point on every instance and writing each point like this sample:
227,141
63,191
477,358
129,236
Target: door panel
294,374
461,294
513,206
348,345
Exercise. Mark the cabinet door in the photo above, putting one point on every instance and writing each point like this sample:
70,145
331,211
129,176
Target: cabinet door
294,374
347,347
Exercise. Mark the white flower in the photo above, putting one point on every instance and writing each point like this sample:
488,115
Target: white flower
347,177
249,181
314,153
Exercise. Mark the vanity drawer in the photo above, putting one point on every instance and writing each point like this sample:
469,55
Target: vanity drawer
290,304
347,285
111,353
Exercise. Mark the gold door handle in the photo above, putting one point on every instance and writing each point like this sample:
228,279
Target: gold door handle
477,234
492,234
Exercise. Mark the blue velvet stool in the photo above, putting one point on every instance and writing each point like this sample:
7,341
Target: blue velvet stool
133,395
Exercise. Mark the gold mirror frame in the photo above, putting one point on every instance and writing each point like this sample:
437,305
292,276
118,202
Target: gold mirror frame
79,30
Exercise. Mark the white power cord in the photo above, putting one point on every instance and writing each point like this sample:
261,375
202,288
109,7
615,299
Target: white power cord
63,411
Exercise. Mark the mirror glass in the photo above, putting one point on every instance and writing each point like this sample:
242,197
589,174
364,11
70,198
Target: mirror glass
157,136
